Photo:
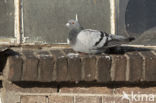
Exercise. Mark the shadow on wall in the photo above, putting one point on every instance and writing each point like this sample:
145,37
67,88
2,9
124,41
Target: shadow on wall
120,50
4,53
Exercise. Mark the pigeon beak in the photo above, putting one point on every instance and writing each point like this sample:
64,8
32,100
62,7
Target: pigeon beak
67,24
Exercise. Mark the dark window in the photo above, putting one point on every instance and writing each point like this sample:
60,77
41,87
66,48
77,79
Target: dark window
138,19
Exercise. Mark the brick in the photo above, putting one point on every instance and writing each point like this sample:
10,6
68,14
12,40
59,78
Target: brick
61,99
144,101
114,99
45,69
43,53
28,53
87,90
74,69
89,68
57,53
135,66
30,67
150,66
136,92
61,69
33,99
104,66
15,68
119,65
45,66
67,51
129,90
87,99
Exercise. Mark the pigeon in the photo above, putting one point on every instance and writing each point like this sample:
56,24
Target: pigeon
92,41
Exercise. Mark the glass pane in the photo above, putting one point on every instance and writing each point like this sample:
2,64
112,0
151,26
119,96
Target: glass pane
138,18
6,18
44,20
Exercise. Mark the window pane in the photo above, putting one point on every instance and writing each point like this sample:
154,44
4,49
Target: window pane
44,20
138,18
6,18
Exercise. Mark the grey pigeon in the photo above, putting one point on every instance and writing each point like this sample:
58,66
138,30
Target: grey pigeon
92,41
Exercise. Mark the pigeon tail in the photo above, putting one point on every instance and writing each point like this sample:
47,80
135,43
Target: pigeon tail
122,38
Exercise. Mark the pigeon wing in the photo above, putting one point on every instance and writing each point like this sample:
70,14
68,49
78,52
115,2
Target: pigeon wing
92,39
115,40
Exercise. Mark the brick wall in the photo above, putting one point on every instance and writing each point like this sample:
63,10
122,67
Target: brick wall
88,95
55,65
79,93
50,75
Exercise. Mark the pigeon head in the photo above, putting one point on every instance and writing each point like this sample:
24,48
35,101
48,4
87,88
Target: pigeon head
73,24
